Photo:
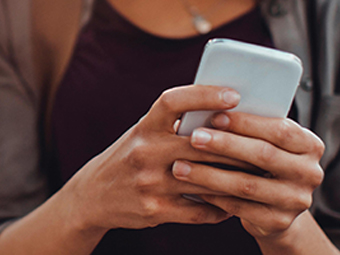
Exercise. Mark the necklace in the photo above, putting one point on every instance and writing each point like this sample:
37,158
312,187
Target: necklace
199,20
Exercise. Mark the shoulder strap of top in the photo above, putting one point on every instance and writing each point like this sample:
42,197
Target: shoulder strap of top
56,25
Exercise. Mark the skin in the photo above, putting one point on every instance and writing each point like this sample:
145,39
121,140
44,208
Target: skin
173,20
131,185
273,207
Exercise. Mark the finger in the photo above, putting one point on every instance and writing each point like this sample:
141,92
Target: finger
187,212
175,187
280,163
180,148
254,151
245,186
268,219
218,161
281,132
174,102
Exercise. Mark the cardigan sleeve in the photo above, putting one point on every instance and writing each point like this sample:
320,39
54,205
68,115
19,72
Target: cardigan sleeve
23,186
326,206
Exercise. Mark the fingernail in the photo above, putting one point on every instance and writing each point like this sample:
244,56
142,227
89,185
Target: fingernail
220,121
231,97
181,169
200,137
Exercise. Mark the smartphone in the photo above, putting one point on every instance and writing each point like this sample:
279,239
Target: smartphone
267,79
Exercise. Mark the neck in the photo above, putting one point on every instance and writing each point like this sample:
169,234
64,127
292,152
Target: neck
171,18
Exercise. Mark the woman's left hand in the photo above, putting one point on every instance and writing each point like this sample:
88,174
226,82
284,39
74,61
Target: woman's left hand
289,154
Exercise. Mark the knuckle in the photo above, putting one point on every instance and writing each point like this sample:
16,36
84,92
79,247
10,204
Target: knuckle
284,131
316,145
137,156
167,100
304,201
144,181
316,176
150,208
248,188
267,153
298,200
281,222
319,148
310,174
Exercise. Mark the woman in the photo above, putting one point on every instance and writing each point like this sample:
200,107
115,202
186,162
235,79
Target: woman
138,181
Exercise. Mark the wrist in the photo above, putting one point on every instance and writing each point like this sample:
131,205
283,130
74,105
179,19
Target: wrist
304,236
285,242
76,217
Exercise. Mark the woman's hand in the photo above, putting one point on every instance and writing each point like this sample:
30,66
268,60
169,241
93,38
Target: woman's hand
130,185
267,204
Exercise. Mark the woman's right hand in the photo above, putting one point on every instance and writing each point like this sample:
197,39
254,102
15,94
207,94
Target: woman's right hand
130,185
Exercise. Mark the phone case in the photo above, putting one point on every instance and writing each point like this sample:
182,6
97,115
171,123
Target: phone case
266,79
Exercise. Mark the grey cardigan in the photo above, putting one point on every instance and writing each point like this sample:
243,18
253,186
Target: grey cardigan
24,186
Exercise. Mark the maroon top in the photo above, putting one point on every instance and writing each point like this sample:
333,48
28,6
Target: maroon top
116,73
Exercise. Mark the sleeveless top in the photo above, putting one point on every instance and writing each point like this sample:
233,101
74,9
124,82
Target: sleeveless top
117,71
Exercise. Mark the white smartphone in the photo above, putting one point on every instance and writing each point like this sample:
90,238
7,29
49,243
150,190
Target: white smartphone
266,79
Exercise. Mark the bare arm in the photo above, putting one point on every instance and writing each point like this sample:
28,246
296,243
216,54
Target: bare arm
50,229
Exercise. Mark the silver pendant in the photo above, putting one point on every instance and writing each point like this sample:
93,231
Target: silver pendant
201,25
